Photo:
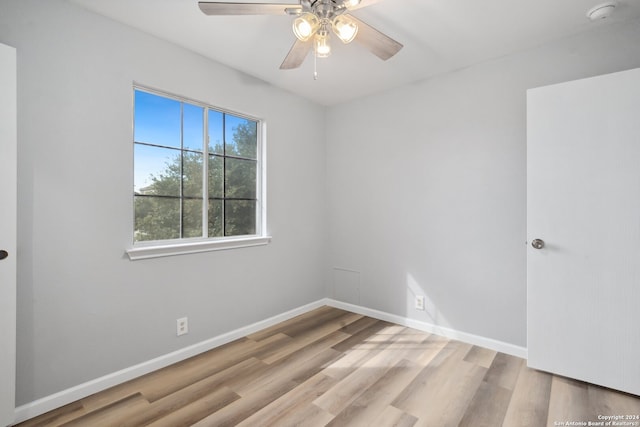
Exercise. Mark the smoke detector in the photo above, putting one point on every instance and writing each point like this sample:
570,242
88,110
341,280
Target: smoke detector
601,11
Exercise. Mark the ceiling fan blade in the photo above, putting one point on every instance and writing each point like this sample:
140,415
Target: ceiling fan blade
381,45
231,8
296,55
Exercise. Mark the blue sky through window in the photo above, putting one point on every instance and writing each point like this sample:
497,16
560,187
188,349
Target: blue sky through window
157,120
164,122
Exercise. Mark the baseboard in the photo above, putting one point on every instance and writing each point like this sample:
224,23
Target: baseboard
489,343
64,397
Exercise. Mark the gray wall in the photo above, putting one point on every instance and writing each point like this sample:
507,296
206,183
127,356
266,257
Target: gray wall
428,186
84,309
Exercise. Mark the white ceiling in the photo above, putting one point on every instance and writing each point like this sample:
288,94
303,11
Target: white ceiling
438,36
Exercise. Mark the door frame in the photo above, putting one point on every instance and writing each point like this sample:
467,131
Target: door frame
8,236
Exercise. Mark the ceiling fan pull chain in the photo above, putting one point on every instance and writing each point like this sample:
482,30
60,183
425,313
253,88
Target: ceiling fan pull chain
315,65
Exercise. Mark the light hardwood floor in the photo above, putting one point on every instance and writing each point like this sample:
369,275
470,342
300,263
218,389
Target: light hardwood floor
330,367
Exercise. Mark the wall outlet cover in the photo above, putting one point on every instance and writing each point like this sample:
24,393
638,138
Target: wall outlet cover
182,325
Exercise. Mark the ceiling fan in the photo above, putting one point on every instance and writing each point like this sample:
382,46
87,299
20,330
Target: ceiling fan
315,21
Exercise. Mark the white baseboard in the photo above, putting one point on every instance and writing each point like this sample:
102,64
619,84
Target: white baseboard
64,397
489,343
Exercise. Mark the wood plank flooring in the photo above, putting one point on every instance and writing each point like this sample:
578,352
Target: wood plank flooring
330,367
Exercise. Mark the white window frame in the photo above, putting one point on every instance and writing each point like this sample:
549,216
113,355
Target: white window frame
179,246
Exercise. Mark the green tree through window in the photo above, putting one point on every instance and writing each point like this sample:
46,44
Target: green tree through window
172,198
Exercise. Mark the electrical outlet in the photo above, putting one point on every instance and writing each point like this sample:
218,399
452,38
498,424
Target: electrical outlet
419,302
183,326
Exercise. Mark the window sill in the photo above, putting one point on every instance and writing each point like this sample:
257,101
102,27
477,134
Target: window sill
171,249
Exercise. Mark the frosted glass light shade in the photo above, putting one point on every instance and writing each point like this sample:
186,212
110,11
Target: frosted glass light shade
345,28
305,26
323,48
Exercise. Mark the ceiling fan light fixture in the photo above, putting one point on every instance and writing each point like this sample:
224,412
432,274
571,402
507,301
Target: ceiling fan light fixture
346,29
313,23
305,26
322,46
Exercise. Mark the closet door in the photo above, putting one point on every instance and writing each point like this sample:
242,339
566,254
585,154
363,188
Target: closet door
583,227
7,233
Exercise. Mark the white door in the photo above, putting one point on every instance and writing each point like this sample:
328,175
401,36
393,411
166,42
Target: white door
583,201
7,233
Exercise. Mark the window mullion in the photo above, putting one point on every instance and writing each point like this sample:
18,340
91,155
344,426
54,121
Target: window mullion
182,170
224,174
205,174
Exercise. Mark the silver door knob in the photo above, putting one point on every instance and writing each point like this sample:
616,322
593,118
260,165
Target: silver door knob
537,243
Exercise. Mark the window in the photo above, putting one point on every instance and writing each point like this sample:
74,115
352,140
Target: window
197,176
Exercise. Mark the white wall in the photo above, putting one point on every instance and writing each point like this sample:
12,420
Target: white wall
84,309
427,186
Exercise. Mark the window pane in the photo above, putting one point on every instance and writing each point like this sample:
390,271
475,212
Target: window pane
191,218
240,137
240,217
215,132
193,131
216,184
192,172
215,218
157,171
240,179
156,218
157,120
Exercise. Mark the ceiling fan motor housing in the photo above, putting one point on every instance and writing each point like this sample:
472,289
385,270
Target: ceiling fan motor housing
324,9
